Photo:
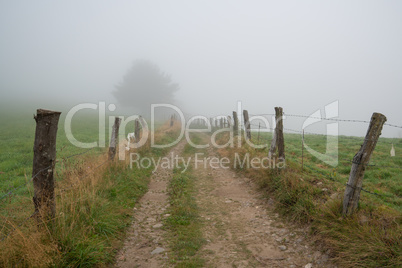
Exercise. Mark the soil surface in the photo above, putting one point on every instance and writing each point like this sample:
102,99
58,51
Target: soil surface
242,229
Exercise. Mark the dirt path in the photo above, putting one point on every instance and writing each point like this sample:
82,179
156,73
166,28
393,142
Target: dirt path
241,228
145,246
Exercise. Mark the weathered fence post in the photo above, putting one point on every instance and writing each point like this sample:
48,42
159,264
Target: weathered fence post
235,124
228,120
113,139
360,161
171,121
246,125
144,127
137,129
44,161
278,140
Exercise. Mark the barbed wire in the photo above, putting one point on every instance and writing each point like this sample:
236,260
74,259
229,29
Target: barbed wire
370,164
10,192
315,133
78,154
17,188
364,190
328,119
333,179
19,225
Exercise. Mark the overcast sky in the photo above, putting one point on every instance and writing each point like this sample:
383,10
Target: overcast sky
301,55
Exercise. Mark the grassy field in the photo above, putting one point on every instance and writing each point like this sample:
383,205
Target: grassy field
94,198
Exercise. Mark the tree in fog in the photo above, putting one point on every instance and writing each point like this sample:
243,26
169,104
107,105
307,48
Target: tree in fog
145,84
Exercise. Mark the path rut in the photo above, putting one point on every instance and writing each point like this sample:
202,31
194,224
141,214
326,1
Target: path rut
145,245
242,229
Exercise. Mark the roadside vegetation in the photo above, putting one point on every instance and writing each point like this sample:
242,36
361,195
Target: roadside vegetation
372,236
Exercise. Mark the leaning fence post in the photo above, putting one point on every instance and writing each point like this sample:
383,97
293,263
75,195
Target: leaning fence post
360,162
278,140
247,124
113,139
44,161
235,123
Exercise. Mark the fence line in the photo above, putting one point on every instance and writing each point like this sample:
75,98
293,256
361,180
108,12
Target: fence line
376,122
328,119
11,191
328,176
63,159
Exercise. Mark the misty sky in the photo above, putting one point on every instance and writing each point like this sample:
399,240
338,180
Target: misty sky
301,55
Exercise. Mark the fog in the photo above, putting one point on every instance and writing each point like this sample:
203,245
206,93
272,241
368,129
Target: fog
300,55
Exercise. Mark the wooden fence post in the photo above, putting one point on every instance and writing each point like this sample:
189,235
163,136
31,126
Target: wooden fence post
228,120
171,121
247,124
278,140
235,124
360,161
44,161
137,129
113,138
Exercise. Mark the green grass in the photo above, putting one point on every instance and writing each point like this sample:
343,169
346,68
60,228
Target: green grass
184,223
99,219
16,148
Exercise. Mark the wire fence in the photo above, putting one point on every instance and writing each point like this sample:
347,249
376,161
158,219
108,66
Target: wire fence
63,159
12,191
329,175
258,127
328,119
18,226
